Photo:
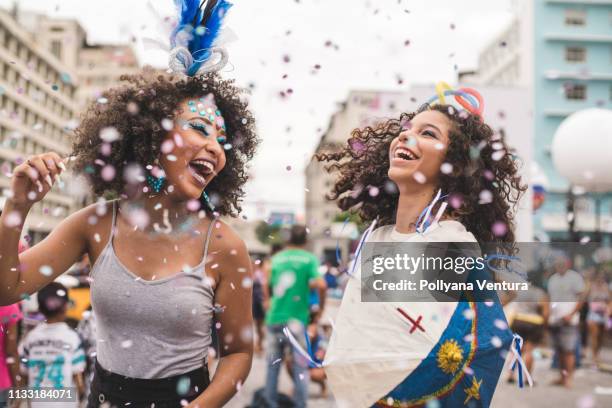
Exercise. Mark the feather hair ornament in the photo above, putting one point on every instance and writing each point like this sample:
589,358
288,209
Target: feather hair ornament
193,41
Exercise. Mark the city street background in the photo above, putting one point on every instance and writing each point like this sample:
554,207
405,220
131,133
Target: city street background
314,70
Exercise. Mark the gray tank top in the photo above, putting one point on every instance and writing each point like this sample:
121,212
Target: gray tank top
150,329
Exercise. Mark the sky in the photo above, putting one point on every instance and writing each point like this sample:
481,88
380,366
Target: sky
274,45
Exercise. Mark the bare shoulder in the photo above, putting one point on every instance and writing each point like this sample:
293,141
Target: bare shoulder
94,223
90,216
228,251
225,239
78,220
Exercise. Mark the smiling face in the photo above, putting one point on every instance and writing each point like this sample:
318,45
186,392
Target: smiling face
416,155
192,152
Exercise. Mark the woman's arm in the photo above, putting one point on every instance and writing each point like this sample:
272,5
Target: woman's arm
545,308
25,273
234,294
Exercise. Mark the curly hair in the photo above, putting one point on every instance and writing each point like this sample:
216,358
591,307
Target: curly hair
363,164
137,109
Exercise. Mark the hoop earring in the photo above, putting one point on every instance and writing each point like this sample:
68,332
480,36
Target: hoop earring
208,202
156,183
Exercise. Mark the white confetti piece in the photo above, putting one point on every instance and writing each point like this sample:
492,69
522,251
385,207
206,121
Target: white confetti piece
46,270
109,134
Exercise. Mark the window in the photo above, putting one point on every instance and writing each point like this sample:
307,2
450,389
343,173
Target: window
56,48
575,17
575,54
12,45
575,92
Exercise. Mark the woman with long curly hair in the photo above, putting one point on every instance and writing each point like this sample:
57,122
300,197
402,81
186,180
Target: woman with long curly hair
171,150
437,175
407,160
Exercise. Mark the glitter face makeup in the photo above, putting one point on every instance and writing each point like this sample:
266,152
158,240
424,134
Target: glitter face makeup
207,108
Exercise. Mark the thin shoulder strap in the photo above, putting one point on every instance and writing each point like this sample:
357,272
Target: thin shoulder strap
208,235
114,212
113,222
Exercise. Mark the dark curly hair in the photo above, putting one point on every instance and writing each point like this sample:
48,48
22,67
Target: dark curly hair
363,163
136,110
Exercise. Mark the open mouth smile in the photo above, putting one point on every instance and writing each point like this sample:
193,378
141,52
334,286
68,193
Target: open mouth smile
201,169
403,153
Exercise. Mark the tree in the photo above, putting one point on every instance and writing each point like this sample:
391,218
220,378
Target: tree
268,234
352,217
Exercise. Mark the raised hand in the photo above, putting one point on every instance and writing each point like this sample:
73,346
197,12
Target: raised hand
33,178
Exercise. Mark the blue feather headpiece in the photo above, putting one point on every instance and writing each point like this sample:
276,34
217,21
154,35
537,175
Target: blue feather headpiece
193,40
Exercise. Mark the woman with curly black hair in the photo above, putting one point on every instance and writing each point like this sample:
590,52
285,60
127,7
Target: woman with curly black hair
172,151
392,171
438,175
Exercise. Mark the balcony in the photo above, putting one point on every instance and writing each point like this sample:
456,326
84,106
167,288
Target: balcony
578,37
578,75
558,113
592,2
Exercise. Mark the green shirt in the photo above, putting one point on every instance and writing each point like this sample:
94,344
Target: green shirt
292,270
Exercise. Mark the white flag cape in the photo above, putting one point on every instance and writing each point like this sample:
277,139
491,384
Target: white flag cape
372,349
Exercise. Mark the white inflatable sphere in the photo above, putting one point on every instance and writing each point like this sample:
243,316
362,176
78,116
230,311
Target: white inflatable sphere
582,149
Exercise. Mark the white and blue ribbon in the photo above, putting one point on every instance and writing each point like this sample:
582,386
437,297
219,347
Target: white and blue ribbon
423,222
517,361
363,239
296,344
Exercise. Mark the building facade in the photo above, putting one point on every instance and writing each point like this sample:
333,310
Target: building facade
100,67
37,109
561,50
360,109
48,75
572,70
97,67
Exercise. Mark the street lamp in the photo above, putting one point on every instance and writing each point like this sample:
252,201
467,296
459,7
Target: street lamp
582,153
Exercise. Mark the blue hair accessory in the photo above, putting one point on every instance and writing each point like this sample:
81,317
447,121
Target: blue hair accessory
194,39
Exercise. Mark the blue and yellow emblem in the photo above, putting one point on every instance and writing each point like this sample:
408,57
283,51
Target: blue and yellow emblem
463,367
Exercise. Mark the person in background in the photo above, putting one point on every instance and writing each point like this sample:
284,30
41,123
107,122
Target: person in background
531,309
318,344
9,358
266,266
566,289
295,272
86,329
52,354
600,301
259,312
331,275
10,316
